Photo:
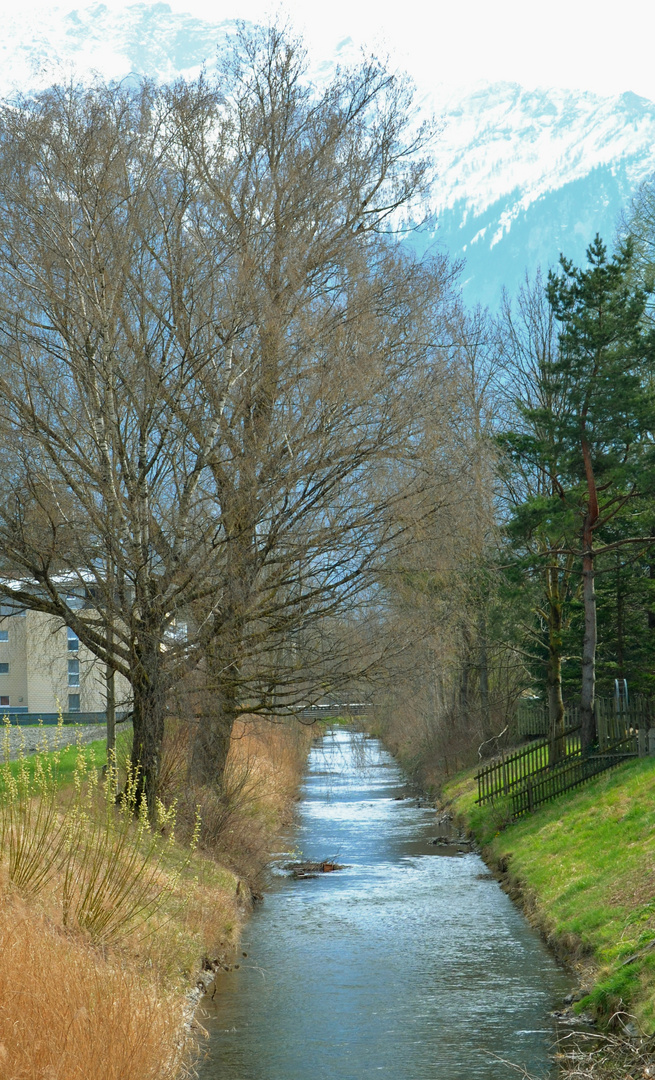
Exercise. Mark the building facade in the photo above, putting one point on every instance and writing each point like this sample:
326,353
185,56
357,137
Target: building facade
44,667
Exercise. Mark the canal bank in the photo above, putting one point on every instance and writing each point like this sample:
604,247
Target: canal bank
583,870
124,920
410,963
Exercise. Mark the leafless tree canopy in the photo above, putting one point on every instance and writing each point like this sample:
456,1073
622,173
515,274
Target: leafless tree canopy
212,366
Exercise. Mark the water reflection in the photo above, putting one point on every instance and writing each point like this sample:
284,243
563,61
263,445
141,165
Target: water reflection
407,965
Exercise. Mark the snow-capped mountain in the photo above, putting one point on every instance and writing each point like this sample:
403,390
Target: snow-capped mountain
522,174
525,174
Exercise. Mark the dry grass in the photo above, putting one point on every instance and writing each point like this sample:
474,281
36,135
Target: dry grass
606,1057
599,1056
79,1003
67,1013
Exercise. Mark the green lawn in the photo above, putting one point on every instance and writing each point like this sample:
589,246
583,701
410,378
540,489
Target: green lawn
95,751
586,864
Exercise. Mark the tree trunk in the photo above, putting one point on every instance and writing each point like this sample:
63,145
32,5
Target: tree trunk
148,713
110,698
464,688
554,670
110,679
484,672
620,648
211,744
224,652
218,711
588,732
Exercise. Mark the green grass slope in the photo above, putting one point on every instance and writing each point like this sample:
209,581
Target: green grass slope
584,869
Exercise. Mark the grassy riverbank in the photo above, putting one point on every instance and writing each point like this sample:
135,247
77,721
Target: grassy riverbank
583,867
83,998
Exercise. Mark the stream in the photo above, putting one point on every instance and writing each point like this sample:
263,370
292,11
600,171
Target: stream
409,964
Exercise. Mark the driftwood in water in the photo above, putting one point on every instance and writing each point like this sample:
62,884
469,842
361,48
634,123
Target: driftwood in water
312,869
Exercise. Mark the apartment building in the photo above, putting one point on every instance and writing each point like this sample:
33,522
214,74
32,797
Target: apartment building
44,667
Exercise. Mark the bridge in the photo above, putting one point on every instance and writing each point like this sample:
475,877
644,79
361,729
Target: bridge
334,711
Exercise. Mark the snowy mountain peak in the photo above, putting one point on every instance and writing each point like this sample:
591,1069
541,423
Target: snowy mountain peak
521,173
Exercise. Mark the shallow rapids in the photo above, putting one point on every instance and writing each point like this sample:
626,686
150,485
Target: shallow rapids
409,964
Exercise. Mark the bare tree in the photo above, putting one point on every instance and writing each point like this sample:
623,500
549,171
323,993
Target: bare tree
451,689
329,329
212,366
101,520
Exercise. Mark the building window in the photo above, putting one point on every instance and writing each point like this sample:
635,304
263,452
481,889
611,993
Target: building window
9,609
4,669
73,673
73,640
73,702
4,635
4,700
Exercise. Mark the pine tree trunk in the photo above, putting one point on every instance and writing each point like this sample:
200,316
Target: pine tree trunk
620,644
588,732
554,671
588,692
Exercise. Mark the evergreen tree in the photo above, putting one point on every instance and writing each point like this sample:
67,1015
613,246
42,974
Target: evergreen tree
602,371
537,529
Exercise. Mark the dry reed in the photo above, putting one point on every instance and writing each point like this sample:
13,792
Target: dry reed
66,1013
242,817
77,877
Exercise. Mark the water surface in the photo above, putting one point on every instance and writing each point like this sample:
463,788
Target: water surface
408,965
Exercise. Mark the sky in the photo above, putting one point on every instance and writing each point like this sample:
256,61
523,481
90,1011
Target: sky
565,43
560,43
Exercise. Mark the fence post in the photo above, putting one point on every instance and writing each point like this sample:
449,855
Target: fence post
651,742
643,746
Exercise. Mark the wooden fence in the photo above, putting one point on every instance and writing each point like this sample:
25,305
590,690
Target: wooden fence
510,772
539,772
614,720
570,773
616,723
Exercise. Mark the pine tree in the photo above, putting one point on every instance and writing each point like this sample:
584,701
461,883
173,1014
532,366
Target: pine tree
539,525
603,372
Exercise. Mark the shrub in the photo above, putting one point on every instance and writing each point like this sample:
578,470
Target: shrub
98,850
